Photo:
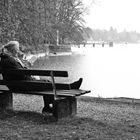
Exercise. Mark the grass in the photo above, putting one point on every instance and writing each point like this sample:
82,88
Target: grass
96,119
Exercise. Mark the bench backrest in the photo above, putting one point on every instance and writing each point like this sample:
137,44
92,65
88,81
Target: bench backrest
51,73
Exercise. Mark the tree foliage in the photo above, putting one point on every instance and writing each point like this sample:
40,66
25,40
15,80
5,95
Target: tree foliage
112,35
37,21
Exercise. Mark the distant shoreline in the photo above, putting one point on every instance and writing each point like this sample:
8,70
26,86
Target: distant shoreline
124,100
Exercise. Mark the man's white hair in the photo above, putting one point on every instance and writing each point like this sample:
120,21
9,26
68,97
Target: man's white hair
11,46
13,43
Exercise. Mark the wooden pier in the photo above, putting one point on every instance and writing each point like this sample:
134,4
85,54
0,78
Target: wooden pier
99,43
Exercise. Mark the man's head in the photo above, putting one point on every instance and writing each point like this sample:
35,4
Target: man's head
12,48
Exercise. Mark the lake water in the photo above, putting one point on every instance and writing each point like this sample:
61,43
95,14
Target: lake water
107,71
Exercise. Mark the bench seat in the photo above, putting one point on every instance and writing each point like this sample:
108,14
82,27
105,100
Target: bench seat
60,93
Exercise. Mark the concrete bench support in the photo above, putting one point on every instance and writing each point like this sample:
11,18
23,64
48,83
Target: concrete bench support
64,107
6,100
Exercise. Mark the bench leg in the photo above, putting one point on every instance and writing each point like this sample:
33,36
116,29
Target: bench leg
6,101
64,107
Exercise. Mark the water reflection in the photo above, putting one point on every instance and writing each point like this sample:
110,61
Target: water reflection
107,72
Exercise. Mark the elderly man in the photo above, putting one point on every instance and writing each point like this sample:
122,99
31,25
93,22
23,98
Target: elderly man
10,60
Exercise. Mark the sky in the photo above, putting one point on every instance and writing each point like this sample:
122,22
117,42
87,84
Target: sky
120,14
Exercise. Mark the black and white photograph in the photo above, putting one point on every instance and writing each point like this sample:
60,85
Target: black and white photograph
69,70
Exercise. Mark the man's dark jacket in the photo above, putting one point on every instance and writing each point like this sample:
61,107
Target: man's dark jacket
8,62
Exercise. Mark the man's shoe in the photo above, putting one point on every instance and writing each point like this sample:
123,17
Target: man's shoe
47,109
77,84
47,114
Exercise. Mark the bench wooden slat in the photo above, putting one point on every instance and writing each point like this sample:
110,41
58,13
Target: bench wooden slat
75,92
72,92
36,72
60,93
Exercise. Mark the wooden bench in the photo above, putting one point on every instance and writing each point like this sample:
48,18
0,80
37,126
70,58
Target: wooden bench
64,103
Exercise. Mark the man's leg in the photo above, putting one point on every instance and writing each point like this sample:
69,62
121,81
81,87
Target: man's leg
74,85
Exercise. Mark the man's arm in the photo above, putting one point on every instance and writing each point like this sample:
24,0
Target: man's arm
11,64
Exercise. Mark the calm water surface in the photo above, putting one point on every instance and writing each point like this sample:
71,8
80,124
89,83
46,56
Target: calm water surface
107,71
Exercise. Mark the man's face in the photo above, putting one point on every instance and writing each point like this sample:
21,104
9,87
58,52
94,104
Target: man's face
21,55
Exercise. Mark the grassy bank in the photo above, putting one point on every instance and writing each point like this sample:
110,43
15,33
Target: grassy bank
97,119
